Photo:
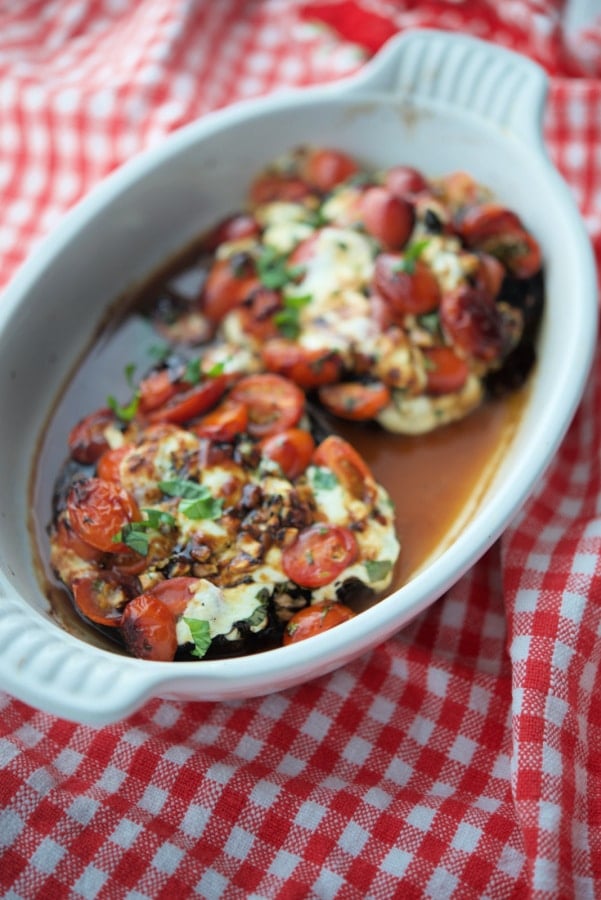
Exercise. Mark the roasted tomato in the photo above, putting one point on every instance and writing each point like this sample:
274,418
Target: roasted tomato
309,368
98,510
387,217
324,168
354,400
273,403
276,186
471,320
99,598
233,228
175,593
405,181
314,619
68,539
486,220
446,372
408,288
108,466
87,440
156,389
256,315
230,283
319,554
348,466
148,629
292,450
186,405
223,423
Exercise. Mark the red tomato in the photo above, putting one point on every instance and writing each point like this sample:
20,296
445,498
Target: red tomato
98,510
234,228
197,400
155,390
175,593
319,554
471,319
387,217
273,403
86,439
99,598
292,450
518,250
224,423
108,466
460,189
128,562
229,283
490,274
307,368
313,620
404,181
348,466
325,168
272,186
68,539
409,290
355,401
446,372
256,315
305,251
148,629
477,223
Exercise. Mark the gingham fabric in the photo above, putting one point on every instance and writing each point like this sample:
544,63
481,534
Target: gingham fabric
461,758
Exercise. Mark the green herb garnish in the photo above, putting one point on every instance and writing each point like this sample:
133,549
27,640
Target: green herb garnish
323,479
196,501
411,255
377,569
201,636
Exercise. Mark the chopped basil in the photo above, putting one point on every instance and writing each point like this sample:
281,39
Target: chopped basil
125,413
159,352
274,271
257,616
197,502
323,479
377,569
287,319
192,373
201,636
134,535
430,321
411,254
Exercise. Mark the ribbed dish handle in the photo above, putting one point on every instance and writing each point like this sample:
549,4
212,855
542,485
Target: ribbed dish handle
496,84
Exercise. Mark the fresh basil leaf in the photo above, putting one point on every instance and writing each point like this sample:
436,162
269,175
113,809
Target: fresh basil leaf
181,487
133,537
411,254
201,636
192,372
323,479
201,508
377,569
156,518
125,413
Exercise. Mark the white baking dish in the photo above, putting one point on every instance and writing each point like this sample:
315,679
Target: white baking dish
438,101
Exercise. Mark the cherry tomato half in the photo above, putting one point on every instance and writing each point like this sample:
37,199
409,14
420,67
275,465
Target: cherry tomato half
325,168
175,593
224,423
186,405
355,401
148,629
313,620
109,464
307,368
405,181
485,220
387,217
67,539
409,290
156,390
87,441
99,598
233,228
98,510
291,450
274,186
446,372
348,466
273,403
471,319
229,283
319,554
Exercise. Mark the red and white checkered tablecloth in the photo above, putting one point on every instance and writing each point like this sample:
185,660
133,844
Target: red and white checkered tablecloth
461,758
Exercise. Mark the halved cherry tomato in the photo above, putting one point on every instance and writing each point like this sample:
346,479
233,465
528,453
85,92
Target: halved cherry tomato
319,554
128,562
67,539
325,168
256,315
273,403
348,466
233,228
471,320
224,423
87,441
313,620
460,189
405,181
175,593
355,401
156,390
291,450
409,289
108,466
485,220
387,217
148,629
305,251
98,510
272,186
197,400
305,367
518,250
229,283
99,598
490,274
446,372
